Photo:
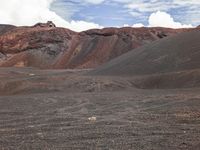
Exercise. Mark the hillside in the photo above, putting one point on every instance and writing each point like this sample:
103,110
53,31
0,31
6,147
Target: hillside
58,48
172,62
177,53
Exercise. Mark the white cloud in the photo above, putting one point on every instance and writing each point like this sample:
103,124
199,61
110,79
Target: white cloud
83,25
94,1
29,12
158,5
163,19
135,14
184,8
149,6
187,2
126,25
138,25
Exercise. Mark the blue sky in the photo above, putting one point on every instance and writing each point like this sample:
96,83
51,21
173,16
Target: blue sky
105,14
82,15
121,12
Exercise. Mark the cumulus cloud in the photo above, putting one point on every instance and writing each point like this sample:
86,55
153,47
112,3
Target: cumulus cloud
29,12
187,10
163,19
138,25
83,25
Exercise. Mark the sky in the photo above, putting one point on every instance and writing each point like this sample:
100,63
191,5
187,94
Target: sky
79,15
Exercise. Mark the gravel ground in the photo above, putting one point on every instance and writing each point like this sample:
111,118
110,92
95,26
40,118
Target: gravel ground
59,110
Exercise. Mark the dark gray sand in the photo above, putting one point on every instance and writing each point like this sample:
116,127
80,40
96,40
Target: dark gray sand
61,110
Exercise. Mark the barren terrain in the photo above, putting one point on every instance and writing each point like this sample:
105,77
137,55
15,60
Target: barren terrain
60,48
145,99
66,109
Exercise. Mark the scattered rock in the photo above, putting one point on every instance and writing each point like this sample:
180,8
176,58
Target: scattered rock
92,119
31,74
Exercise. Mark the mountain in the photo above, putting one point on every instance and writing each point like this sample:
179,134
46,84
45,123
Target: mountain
48,47
177,53
172,62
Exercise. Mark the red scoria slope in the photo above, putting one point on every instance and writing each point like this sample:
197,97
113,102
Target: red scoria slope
50,47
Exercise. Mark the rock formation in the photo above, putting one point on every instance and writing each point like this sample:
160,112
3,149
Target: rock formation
49,24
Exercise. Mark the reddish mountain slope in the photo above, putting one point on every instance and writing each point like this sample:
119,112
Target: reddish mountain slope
50,47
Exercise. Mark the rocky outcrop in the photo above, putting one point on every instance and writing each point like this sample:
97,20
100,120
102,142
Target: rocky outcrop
49,24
